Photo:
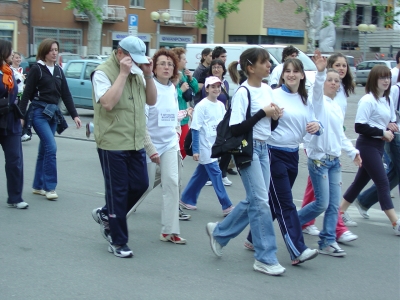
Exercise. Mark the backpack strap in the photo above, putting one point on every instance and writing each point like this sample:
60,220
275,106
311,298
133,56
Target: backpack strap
248,115
398,100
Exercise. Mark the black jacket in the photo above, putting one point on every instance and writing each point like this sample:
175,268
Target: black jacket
43,86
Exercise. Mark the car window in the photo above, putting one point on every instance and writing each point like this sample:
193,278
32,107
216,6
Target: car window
74,70
89,69
350,60
362,66
392,64
66,58
373,64
307,62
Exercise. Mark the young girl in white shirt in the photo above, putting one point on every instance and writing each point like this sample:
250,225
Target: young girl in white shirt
207,115
298,120
375,123
338,62
256,176
323,157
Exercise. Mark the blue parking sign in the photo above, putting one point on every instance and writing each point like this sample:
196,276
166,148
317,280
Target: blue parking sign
133,20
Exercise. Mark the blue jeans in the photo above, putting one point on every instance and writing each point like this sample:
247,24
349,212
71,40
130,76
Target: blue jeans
326,178
46,165
254,209
199,179
370,196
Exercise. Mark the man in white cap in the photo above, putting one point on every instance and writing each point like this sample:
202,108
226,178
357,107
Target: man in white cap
122,86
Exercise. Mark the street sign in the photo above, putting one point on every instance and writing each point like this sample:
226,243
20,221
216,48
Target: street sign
133,22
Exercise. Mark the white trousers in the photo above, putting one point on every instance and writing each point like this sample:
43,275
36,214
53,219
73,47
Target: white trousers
167,173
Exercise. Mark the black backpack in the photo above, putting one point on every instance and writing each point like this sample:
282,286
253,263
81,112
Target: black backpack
187,144
240,146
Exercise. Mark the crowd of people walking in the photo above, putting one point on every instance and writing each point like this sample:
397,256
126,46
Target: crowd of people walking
145,108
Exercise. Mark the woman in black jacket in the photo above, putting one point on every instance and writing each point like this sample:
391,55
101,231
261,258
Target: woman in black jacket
10,129
45,85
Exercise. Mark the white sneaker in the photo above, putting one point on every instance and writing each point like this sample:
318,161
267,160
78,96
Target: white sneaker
274,270
208,183
347,220
397,228
25,138
51,195
39,192
307,255
226,181
333,250
311,230
215,246
20,205
347,236
361,209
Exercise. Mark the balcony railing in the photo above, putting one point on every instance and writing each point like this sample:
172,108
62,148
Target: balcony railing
180,17
110,14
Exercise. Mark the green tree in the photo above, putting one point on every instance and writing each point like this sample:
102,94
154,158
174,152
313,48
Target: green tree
91,8
310,9
206,17
387,11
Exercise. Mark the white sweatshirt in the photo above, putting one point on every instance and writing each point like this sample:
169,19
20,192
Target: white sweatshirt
330,114
292,125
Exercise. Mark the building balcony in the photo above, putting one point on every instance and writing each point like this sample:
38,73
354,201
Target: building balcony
179,17
110,14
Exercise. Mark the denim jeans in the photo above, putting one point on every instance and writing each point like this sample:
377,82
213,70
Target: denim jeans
46,165
370,196
326,178
254,209
199,178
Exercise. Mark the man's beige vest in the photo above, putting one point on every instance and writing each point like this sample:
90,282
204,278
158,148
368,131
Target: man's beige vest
122,128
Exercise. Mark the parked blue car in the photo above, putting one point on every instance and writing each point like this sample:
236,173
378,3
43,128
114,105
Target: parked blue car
77,73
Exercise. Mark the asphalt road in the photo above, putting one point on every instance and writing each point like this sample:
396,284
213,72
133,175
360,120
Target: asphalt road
54,249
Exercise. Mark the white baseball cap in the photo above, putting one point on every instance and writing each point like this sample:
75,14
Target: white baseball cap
136,49
212,80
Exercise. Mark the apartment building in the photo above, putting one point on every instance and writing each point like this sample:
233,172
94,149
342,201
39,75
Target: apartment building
27,22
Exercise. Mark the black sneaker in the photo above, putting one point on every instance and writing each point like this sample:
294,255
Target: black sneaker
183,216
120,251
231,171
102,219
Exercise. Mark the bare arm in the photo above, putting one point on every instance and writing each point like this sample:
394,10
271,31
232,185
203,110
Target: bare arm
151,91
112,96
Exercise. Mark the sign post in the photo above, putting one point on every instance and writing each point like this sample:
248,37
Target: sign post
133,22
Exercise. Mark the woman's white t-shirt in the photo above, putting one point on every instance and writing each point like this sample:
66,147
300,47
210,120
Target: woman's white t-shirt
162,118
260,97
376,113
206,117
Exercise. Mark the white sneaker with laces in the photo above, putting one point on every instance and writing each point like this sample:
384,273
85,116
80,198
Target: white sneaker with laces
347,220
311,230
226,181
208,183
20,205
361,209
397,228
273,270
347,236
51,195
333,250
